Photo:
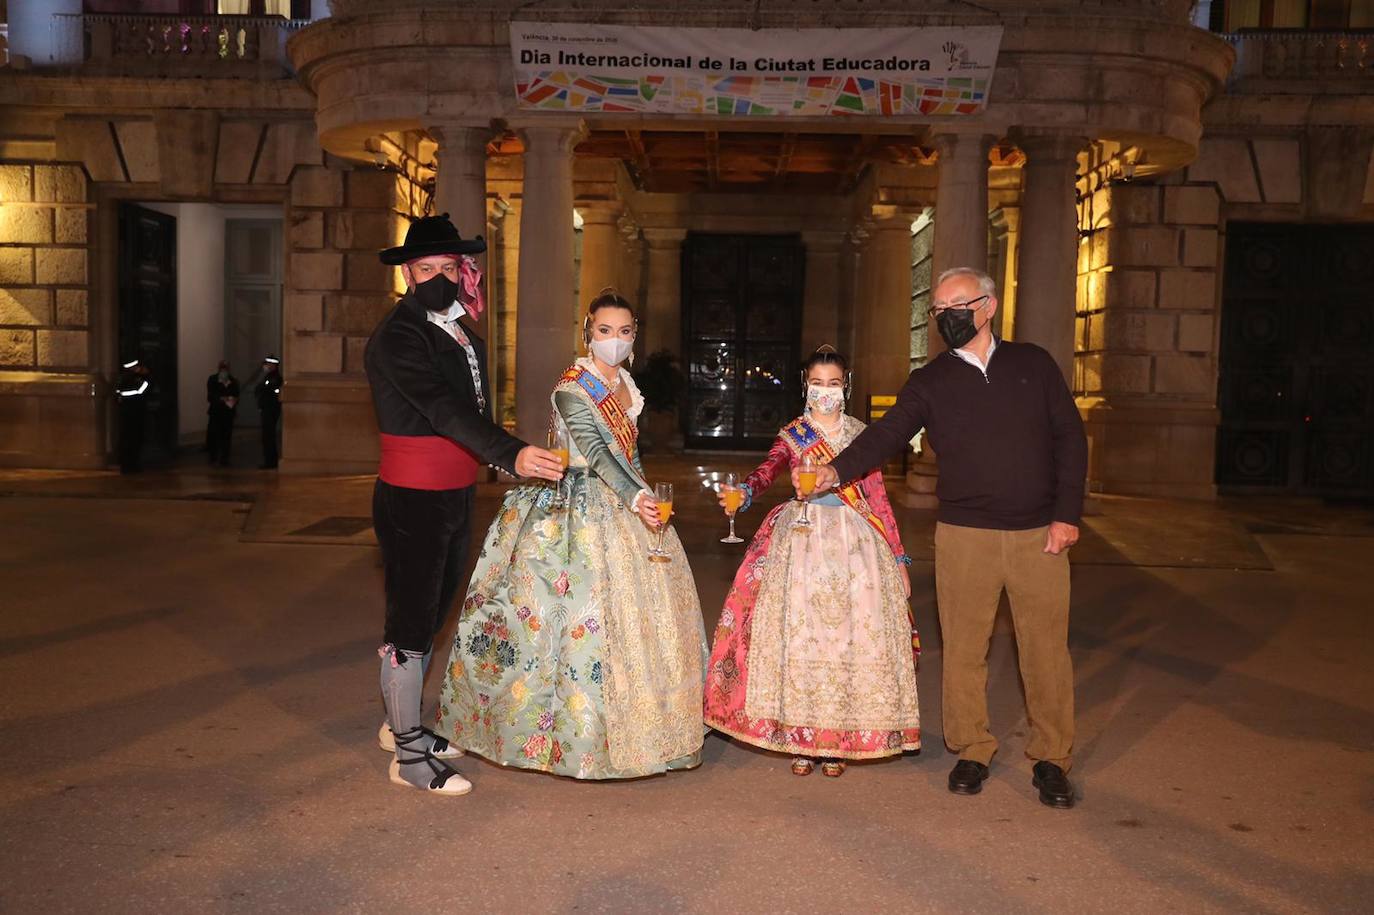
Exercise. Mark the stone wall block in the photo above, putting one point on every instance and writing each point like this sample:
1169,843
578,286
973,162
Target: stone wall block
317,187
1149,331
60,265
1192,289
369,230
72,226
315,353
71,308
1085,252
1184,375
1195,333
1127,205
1116,373
59,184
323,270
16,183
16,347
1141,246
16,265
1130,288
307,229
238,145
366,272
28,225
371,189
1196,205
354,348
355,314
304,311
62,348
26,307
1200,248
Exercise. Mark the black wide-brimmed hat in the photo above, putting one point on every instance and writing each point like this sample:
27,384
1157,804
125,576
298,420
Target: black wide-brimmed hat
431,235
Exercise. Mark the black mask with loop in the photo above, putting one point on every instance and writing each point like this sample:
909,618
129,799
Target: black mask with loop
437,293
956,325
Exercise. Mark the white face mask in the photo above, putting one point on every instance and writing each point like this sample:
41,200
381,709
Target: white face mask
613,351
823,399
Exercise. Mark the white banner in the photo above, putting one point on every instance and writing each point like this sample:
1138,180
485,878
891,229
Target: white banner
743,73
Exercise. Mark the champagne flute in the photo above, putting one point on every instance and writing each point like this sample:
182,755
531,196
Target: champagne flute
806,481
558,444
663,497
734,498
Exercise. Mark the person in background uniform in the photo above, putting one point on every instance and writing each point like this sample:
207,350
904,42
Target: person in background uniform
268,393
132,391
222,392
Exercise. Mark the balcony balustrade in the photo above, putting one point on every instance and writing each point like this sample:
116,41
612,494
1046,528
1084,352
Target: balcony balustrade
250,47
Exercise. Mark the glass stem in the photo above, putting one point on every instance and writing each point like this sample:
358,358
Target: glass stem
732,525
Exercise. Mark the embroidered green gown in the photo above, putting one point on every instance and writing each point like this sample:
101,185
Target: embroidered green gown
574,653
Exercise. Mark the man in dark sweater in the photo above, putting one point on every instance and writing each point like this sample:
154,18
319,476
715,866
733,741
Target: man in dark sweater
1012,461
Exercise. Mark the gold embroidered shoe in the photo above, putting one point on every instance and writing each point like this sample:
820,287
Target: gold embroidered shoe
802,766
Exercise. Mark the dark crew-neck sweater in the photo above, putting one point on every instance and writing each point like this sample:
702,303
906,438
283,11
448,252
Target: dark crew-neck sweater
1010,444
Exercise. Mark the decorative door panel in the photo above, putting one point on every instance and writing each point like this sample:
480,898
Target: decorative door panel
1296,384
741,322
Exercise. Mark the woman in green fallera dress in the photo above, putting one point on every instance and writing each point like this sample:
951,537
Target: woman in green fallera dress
575,654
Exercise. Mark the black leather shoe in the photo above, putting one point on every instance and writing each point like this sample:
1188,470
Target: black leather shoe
967,777
1055,790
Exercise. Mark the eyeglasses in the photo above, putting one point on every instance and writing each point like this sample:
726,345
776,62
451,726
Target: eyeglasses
957,306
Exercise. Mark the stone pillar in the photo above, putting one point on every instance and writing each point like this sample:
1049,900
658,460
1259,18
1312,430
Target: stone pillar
1006,234
630,265
663,305
1049,247
961,201
601,257
821,301
460,189
961,240
887,311
546,274
854,325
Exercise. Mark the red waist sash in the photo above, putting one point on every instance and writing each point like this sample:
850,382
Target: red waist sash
426,462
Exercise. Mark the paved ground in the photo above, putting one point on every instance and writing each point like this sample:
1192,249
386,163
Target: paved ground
188,700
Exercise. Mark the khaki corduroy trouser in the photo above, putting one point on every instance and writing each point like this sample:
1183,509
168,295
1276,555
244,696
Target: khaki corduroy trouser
972,566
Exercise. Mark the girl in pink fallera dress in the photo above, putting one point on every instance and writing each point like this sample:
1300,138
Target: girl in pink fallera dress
814,653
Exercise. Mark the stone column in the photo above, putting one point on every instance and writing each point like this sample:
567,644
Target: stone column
1006,231
961,210
821,301
663,306
629,268
853,325
460,189
1045,287
601,257
546,274
961,240
887,311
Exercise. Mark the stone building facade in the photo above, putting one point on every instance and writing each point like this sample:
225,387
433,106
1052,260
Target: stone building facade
1121,143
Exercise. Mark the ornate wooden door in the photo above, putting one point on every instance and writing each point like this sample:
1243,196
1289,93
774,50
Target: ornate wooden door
742,297
1297,359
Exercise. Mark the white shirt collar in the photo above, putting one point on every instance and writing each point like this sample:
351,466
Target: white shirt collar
973,360
455,311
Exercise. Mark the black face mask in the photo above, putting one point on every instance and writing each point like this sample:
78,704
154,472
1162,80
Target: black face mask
956,326
437,293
